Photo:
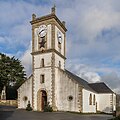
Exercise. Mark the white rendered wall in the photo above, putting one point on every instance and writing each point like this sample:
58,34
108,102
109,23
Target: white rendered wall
104,103
87,108
42,86
46,71
65,87
62,61
25,90
38,58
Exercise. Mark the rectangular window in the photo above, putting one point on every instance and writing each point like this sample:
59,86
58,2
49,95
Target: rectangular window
59,47
42,78
42,62
94,99
59,64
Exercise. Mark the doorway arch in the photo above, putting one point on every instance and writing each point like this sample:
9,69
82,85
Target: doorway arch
41,100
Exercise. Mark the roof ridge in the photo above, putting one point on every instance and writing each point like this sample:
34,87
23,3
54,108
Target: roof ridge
75,75
80,80
100,87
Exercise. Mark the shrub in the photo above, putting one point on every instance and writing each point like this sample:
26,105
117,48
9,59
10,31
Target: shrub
48,108
29,108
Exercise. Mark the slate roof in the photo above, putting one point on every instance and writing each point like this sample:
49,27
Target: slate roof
100,87
82,82
94,87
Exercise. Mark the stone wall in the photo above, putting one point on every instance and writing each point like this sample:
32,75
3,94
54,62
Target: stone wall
67,93
25,93
118,105
9,102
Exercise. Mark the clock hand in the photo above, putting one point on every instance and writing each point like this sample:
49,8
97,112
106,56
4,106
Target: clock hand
59,37
41,30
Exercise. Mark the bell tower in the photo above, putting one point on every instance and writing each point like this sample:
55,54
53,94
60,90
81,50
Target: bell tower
48,55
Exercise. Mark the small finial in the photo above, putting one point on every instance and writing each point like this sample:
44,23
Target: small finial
53,9
63,22
33,16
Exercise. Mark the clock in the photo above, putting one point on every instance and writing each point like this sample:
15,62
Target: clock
59,36
42,30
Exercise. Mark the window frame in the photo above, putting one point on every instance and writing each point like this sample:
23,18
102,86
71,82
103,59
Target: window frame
42,78
94,99
42,62
90,99
59,64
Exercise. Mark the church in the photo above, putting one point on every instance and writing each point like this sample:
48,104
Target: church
51,83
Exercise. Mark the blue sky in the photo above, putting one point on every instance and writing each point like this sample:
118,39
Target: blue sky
93,36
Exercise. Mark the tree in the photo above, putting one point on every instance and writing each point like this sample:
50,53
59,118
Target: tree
12,72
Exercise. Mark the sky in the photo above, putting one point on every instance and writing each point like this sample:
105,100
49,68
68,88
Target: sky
93,36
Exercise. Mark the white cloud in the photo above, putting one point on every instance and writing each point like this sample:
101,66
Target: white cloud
14,22
92,38
90,74
21,35
84,71
92,77
113,80
117,90
26,60
2,39
88,18
96,20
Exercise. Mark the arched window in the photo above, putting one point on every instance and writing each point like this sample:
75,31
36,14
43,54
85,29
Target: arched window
42,62
90,99
94,99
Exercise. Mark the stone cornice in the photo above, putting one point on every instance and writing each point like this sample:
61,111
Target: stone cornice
47,17
48,51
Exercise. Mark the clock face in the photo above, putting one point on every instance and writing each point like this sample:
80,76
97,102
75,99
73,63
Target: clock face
42,30
59,36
